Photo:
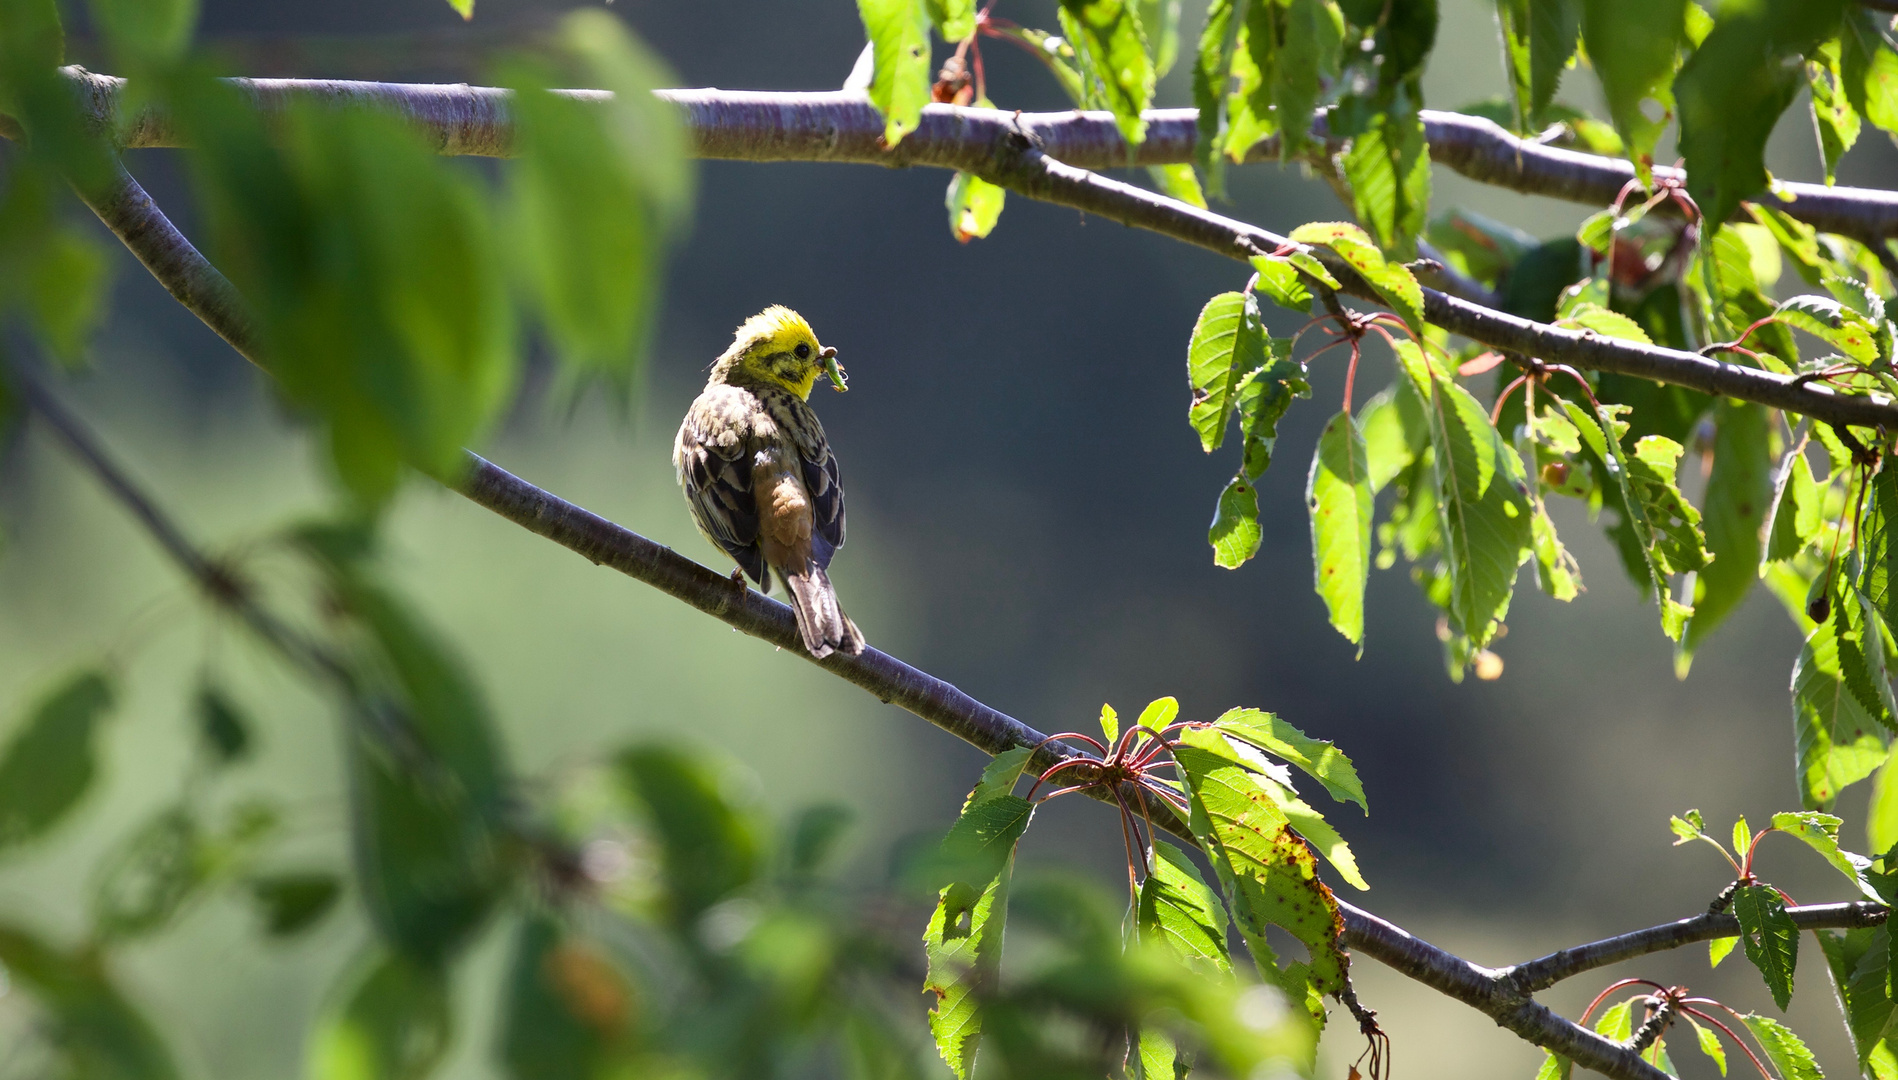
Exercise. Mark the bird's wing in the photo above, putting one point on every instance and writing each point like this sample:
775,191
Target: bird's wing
716,475
819,469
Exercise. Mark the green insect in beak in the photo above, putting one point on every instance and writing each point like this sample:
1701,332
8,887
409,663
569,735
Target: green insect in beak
839,378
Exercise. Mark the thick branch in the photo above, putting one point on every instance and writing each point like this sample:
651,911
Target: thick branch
1033,156
200,287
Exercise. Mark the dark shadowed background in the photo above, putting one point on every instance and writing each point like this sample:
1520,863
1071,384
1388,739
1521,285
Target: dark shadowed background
1028,515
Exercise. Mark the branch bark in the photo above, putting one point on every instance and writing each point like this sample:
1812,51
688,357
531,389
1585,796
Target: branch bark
1498,993
1032,156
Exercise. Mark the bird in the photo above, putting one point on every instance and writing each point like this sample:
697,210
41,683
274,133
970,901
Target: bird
759,476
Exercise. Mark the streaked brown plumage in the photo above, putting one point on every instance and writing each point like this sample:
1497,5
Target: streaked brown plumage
759,476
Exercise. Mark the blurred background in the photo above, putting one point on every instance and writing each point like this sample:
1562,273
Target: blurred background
1028,515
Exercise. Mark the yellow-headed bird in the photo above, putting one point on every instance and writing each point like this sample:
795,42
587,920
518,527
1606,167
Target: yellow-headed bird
759,475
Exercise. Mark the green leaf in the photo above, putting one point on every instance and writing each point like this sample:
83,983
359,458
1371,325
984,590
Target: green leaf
1513,18
1555,27
1832,322
1280,280
1836,741
1870,69
68,281
1212,71
1159,713
1821,833
1178,909
222,726
975,205
1264,397
1110,728
1317,758
1178,182
1833,116
1388,170
1679,545
1228,343
464,8
1000,774
1718,948
1338,495
94,1030
1160,23
1862,652
964,938
1738,493
1106,35
567,1013
954,19
376,277
1307,48
1691,827
1742,837
1250,115
709,847
1784,1049
1632,44
50,760
394,1022
899,36
1484,512
1555,1068
1881,817
1617,1024
1732,90
1393,282
149,876
1590,316
1235,533
596,189
814,837
1793,517
143,32
1388,449
1878,543
1268,874
293,903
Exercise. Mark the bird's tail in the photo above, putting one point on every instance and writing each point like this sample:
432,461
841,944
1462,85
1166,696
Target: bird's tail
820,619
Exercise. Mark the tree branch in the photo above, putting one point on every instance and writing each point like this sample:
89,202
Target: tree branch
1028,155
1537,975
201,288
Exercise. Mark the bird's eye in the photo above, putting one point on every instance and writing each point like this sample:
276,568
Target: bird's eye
803,351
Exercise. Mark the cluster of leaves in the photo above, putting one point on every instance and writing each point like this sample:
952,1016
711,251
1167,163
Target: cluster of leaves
390,285
1250,827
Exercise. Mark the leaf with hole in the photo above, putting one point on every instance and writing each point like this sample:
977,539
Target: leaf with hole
899,86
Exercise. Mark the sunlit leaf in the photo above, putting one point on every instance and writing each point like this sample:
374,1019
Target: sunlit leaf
1388,169
1832,322
1632,45
1784,1049
1264,397
964,938
1836,741
1393,282
1178,909
1107,37
1160,23
1316,757
975,205
1554,30
1235,533
1308,47
1338,496
1212,70
1738,491
899,33
1228,342
954,19
1833,116
1821,833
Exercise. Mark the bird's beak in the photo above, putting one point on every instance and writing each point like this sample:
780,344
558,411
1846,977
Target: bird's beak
839,379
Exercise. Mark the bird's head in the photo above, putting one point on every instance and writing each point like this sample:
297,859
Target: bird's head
777,347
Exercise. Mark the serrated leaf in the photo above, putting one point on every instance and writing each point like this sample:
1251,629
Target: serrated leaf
1878,544
1738,492
1255,57
1513,18
1632,45
1388,449
1836,741
1679,545
954,19
1212,70
1833,117
1718,948
1281,282
1855,625
1881,817
1617,1023
1178,909
1228,343
899,35
1317,758
1388,170
1832,322
1310,41
1235,533
394,1023
49,761
1870,69
963,941
1821,833
1555,1068
1555,28
1000,774
1787,1053
1793,516
1734,87
1338,496
1591,316
1485,515
974,205
1268,874
1770,938
1178,182
1264,397
1107,37
1393,282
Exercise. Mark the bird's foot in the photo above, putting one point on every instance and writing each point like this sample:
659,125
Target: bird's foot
738,580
